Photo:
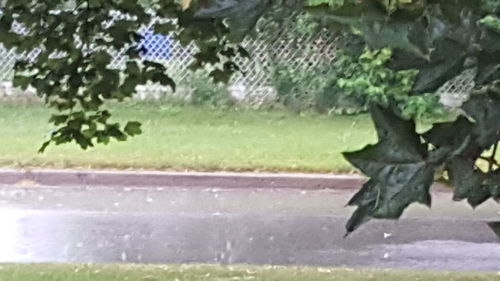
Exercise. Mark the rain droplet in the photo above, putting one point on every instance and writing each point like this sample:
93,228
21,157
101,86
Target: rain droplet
160,188
116,204
386,255
79,245
149,199
387,235
324,270
40,198
124,256
220,256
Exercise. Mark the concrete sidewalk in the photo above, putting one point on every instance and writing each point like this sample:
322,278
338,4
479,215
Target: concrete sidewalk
110,178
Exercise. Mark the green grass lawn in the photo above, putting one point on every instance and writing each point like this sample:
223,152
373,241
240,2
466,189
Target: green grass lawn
193,138
45,272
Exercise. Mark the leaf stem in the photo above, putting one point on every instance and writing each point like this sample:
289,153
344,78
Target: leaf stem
491,160
493,155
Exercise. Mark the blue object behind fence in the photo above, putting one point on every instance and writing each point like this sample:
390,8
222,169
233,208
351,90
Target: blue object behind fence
157,46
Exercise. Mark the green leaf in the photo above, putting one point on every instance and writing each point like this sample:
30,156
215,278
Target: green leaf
492,182
243,52
445,64
162,78
220,75
22,82
132,68
484,110
59,119
102,58
102,138
44,146
467,181
451,138
120,32
165,28
488,68
471,183
84,142
133,128
398,169
114,131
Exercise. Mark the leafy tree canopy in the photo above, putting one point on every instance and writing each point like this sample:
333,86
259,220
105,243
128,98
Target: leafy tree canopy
438,39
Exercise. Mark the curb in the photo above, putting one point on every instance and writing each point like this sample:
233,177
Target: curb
108,178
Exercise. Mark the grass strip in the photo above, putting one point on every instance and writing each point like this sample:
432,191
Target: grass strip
192,138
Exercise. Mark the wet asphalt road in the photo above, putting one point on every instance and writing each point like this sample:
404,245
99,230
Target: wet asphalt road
257,226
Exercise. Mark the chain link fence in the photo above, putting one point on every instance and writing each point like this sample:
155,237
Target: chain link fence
253,85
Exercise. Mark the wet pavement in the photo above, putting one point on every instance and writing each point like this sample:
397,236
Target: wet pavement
251,225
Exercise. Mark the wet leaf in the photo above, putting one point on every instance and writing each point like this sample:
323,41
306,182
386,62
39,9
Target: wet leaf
398,170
